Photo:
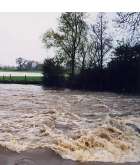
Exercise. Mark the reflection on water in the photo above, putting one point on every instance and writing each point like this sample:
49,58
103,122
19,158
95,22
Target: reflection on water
83,126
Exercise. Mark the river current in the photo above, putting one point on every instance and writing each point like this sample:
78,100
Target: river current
84,126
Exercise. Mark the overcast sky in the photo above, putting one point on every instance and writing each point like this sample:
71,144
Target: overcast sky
20,35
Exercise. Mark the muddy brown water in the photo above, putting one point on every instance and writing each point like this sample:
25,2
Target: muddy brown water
67,127
45,157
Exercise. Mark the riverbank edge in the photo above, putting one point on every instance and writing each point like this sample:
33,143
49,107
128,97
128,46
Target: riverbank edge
22,82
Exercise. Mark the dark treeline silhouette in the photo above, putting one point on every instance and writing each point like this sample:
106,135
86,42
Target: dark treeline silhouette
124,69
81,51
53,73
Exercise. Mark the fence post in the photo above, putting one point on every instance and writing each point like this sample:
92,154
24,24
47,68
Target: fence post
3,76
10,77
25,77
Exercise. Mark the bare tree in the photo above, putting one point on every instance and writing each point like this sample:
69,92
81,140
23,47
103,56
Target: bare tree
102,41
130,21
92,58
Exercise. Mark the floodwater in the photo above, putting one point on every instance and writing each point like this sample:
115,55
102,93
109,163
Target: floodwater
38,74
84,126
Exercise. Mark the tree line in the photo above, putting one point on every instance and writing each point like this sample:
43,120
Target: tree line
27,65
87,56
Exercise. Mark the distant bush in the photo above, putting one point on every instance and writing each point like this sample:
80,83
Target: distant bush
53,73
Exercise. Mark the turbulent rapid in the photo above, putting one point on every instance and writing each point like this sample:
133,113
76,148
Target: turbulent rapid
84,126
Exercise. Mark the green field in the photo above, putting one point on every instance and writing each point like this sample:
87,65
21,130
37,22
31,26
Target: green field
21,79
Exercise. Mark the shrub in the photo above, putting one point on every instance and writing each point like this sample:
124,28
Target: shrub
53,73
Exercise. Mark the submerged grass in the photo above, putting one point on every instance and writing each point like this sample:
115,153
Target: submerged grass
21,79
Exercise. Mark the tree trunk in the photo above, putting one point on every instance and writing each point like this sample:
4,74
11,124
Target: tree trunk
73,67
83,63
101,38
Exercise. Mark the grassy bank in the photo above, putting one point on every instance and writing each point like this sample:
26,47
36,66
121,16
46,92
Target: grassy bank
21,79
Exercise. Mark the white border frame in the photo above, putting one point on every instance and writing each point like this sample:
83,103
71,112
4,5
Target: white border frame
69,5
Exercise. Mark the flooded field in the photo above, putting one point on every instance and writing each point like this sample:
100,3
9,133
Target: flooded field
85,126
6,74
